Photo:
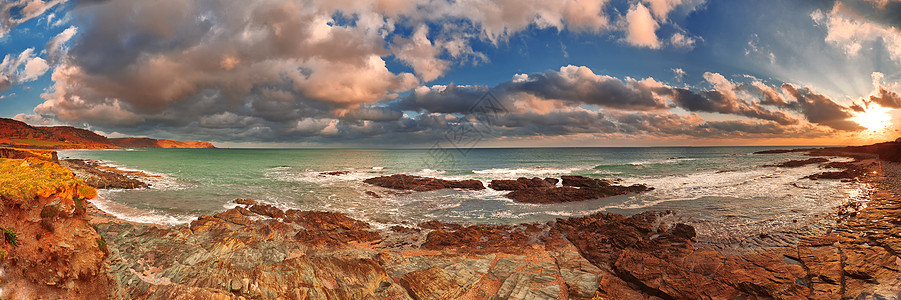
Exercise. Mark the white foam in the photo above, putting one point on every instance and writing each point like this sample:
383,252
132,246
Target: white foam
659,161
132,214
157,181
287,174
524,172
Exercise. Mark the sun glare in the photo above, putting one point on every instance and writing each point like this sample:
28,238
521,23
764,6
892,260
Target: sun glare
875,118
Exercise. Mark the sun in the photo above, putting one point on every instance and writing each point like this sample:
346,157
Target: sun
875,118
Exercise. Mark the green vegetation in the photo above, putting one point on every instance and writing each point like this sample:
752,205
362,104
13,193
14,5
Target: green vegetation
101,242
79,206
49,211
41,143
24,179
9,235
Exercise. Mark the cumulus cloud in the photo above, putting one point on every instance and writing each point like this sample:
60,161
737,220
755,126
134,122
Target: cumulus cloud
15,12
886,98
278,60
641,28
820,109
682,41
852,31
419,53
884,94
21,68
318,71
580,85
57,46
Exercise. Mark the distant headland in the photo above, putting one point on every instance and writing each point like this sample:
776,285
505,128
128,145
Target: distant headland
17,134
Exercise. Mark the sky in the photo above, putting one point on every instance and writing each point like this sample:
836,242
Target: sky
486,73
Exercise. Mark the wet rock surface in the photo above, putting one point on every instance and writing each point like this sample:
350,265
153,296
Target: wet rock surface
799,163
575,188
422,184
313,254
258,251
103,178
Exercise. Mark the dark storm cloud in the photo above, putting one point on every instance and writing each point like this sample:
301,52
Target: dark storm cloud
582,86
886,98
719,102
667,124
443,99
820,109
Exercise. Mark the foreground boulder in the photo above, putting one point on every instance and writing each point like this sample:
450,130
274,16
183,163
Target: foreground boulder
575,188
422,184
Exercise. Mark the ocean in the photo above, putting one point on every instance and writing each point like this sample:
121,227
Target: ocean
720,190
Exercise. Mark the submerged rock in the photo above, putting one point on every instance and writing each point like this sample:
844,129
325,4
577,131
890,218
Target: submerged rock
422,184
799,163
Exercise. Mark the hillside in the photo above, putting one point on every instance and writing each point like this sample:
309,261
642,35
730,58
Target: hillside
135,142
17,134
78,136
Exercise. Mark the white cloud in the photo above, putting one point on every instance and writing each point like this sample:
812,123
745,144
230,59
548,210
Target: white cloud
682,41
25,67
850,30
641,28
662,8
27,10
56,47
33,69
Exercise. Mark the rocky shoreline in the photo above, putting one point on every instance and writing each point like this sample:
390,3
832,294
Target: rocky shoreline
258,251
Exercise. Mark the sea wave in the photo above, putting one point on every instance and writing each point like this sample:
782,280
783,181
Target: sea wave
133,214
157,181
503,173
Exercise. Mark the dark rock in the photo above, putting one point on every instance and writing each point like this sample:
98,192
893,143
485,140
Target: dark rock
575,188
244,201
267,210
799,163
105,178
552,195
582,181
506,185
324,221
334,173
522,183
422,184
684,231
480,238
373,194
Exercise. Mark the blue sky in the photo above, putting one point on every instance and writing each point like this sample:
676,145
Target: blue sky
573,73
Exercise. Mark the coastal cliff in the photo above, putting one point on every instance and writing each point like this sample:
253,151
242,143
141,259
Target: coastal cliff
155,143
49,250
19,135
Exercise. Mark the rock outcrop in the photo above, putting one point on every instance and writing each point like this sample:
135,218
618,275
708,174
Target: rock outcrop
422,184
575,188
104,178
48,249
799,163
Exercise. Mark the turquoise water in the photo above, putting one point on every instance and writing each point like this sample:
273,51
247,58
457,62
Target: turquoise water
716,185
